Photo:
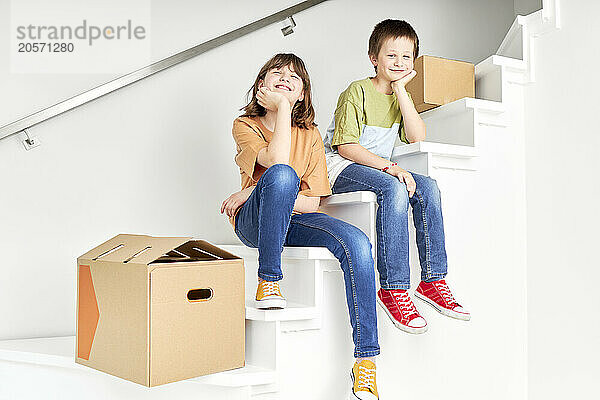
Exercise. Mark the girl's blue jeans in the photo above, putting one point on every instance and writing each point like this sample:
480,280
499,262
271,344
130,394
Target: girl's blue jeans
392,223
265,221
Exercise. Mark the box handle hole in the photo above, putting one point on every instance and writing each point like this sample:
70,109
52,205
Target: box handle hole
200,294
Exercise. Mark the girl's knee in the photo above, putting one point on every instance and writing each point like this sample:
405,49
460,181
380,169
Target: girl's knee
281,176
358,250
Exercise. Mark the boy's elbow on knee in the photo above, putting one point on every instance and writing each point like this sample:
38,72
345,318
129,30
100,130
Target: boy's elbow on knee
343,150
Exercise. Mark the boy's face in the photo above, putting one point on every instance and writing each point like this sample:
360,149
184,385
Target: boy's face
395,59
285,81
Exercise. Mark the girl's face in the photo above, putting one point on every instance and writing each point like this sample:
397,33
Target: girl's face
284,80
395,59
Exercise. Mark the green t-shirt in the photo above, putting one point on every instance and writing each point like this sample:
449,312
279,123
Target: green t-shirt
365,116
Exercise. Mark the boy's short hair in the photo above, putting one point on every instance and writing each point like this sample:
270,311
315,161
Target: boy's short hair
392,28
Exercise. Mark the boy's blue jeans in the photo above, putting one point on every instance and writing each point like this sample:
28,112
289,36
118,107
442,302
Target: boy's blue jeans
265,221
392,223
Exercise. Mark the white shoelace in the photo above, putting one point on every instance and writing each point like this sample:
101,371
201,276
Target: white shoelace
406,305
445,292
271,288
366,378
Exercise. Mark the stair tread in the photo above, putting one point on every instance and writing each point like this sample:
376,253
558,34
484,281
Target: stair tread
60,352
435,148
292,312
303,253
350,198
248,375
514,30
495,61
462,105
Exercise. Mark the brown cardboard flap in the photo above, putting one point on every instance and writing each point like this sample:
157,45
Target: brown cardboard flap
138,249
116,244
159,247
203,249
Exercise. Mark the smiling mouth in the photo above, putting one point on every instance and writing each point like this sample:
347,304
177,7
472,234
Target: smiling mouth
283,87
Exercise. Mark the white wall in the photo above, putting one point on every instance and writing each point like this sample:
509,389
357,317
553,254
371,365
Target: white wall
157,157
524,7
563,190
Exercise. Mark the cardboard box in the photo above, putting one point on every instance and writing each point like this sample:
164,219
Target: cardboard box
440,81
155,310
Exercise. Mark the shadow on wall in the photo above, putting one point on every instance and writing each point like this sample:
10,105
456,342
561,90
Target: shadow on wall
524,7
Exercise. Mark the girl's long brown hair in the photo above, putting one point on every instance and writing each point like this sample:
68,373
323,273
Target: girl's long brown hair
303,113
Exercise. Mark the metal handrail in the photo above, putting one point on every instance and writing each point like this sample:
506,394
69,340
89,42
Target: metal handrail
132,77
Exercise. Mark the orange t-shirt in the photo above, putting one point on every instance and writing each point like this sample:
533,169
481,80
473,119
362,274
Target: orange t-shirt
307,156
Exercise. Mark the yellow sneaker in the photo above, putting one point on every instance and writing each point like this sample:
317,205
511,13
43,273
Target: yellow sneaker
364,386
269,296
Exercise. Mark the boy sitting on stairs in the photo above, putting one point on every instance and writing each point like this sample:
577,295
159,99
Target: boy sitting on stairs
369,116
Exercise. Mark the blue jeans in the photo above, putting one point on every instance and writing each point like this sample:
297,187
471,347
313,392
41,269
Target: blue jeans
265,221
392,223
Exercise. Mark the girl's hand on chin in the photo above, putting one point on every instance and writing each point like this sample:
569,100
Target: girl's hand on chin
269,99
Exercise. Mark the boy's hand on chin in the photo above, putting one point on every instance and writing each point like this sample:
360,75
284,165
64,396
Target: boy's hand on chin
401,83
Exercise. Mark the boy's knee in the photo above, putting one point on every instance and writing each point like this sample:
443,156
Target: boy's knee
429,187
397,195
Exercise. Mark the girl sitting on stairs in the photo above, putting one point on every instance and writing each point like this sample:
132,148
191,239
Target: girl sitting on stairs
281,158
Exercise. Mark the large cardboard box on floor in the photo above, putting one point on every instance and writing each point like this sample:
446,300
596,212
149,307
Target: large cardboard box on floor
155,310
440,81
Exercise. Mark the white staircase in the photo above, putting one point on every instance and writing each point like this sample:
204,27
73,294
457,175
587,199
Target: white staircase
475,151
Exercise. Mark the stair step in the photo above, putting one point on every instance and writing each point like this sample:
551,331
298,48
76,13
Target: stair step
299,307
51,351
460,106
294,253
453,150
510,41
495,61
292,312
543,21
350,198
426,157
250,375
60,352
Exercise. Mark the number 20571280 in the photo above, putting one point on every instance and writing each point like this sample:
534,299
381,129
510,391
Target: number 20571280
46,47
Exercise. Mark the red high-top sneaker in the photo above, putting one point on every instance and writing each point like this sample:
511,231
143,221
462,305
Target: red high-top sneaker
400,308
438,295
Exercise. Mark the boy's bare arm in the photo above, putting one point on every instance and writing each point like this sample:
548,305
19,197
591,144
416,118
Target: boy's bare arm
414,127
355,152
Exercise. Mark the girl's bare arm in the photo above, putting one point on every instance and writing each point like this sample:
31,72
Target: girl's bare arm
278,151
306,204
